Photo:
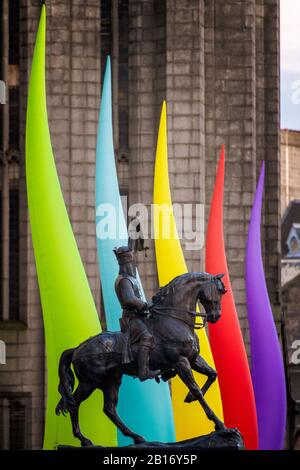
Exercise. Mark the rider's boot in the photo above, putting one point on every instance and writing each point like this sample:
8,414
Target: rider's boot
143,364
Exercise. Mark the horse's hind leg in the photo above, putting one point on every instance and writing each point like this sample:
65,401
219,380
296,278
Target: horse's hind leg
82,392
184,371
201,366
111,393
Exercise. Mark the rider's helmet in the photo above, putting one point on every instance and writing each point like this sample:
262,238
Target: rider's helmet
124,255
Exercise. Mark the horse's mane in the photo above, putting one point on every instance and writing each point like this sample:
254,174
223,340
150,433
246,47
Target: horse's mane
164,290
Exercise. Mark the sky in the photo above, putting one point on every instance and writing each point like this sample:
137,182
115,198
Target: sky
290,63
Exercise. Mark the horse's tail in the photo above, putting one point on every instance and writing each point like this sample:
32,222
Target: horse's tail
66,383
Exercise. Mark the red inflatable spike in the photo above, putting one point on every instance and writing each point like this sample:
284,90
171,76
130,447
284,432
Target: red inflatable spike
225,336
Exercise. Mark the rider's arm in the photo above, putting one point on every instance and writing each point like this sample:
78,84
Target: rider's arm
130,301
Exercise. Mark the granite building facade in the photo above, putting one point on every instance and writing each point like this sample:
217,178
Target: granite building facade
290,167
216,63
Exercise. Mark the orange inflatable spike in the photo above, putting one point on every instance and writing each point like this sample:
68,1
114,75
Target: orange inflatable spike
225,336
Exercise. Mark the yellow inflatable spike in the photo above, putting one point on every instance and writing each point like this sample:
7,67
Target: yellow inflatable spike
190,419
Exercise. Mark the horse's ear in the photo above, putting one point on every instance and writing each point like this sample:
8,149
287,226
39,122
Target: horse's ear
219,276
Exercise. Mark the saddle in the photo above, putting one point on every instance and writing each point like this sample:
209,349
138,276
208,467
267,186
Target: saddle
114,342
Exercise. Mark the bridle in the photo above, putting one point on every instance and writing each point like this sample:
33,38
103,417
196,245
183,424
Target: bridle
192,324
194,314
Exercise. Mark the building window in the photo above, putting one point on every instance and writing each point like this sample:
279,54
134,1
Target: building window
11,313
15,422
9,173
105,33
294,245
1,259
114,43
14,130
14,34
2,76
293,242
123,80
14,254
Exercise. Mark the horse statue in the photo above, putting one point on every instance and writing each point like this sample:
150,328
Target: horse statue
98,364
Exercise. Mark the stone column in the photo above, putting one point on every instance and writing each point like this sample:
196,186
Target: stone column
272,207
186,115
231,119
146,92
241,69
162,67
73,87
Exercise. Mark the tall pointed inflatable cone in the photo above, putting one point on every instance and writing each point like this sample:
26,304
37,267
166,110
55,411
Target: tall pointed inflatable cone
266,357
145,407
69,312
190,419
225,336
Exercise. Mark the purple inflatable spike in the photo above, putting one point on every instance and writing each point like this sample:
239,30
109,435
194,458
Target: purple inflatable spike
267,362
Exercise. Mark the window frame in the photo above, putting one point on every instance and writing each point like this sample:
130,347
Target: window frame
25,399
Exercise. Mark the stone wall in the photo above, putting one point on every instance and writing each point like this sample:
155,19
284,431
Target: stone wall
186,114
177,75
146,92
221,86
231,119
240,52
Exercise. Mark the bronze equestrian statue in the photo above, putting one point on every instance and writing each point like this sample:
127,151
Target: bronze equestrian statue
157,340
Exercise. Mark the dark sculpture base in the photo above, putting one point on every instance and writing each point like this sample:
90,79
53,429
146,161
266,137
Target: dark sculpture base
230,439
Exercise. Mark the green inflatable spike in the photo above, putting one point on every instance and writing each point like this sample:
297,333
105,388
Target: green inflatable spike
69,311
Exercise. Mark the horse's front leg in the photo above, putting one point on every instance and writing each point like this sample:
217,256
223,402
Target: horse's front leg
111,393
201,366
184,371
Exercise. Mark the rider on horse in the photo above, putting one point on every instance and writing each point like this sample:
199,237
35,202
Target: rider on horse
134,311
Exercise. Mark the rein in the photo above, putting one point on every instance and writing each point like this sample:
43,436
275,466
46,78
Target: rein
196,326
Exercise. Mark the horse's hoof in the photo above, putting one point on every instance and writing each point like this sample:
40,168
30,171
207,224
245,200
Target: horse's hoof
86,443
139,440
220,426
189,398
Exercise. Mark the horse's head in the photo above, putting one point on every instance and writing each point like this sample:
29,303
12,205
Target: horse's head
210,296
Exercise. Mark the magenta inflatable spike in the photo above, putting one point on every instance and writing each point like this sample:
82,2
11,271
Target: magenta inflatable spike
267,362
